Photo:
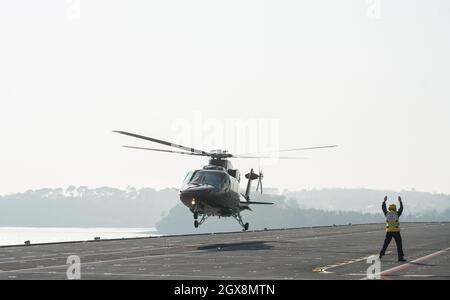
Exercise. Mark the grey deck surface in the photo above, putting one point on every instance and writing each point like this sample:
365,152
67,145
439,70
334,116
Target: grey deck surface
309,253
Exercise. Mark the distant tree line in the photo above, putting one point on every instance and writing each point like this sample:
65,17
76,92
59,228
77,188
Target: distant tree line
287,213
131,207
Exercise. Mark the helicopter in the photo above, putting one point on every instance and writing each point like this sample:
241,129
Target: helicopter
214,190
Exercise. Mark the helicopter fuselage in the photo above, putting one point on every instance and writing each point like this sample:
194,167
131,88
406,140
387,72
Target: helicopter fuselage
212,190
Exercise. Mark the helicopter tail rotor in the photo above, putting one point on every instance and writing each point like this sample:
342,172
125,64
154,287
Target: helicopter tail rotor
253,176
259,186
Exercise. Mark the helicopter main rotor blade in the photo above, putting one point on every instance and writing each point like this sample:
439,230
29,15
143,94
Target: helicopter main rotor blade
191,150
288,150
162,150
269,157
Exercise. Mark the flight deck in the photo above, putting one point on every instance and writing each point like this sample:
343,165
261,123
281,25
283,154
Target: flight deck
335,252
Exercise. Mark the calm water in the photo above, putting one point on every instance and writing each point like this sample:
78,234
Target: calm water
18,235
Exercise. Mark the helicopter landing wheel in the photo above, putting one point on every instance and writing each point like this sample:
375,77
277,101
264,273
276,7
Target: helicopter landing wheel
195,215
196,224
246,225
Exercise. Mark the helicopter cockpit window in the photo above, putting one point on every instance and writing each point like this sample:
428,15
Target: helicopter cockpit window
187,179
218,180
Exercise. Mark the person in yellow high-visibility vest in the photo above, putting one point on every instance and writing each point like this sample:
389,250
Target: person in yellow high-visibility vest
393,228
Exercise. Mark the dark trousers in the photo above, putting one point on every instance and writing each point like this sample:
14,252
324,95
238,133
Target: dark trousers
398,240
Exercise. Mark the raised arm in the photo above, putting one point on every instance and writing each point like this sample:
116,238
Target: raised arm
383,206
400,210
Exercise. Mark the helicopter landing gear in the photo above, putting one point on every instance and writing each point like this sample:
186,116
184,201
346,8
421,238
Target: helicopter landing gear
202,220
239,219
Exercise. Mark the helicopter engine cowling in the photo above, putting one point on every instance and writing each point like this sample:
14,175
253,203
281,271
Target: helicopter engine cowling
235,173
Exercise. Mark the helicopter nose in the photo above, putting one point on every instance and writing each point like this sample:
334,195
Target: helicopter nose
196,192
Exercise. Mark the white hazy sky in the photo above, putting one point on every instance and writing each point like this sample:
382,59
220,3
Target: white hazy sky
327,72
